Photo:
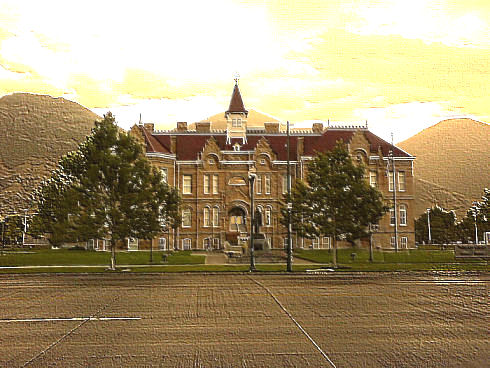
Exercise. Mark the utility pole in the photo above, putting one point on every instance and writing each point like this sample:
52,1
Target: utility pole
289,267
251,179
428,225
394,193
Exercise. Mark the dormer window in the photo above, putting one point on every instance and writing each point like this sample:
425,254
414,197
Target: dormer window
236,123
236,147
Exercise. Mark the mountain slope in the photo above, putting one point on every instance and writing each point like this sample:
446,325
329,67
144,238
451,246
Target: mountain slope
452,163
36,131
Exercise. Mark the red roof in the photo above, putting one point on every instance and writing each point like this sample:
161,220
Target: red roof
189,145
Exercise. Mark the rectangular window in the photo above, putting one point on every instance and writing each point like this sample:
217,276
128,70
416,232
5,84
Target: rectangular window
401,181
258,184
206,243
403,215
390,181
392,217
326,242
186,218
392,242
316,243
215,184
216,243
187,184
404,242
162,244
267,184
268,219
186,244
215,217
284,184
206,217
164,175
207,184
373,179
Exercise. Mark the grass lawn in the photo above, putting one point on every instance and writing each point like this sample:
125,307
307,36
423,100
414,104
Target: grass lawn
344,256
67,257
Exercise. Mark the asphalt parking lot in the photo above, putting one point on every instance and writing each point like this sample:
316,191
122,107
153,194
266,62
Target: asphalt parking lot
242,320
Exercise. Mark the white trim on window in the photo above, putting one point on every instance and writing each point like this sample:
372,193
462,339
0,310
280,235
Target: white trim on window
186,184
403,214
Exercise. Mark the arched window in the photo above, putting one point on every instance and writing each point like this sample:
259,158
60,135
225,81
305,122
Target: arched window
403,215
186,217
206,222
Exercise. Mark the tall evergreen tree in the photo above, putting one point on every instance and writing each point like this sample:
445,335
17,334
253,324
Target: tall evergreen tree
106,189
335,200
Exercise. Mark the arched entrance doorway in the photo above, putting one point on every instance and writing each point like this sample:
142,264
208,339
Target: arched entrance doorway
236,220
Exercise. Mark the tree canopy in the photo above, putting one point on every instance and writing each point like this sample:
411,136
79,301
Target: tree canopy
106,189
335,200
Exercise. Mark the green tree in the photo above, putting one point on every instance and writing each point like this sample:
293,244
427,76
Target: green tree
106,189
335,200
442,226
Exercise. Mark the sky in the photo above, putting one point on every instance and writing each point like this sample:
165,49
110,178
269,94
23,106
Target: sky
401,65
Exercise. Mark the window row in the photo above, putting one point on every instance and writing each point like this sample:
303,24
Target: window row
210,217
373,180
402,215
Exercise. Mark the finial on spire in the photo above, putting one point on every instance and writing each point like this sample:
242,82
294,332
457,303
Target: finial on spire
236,77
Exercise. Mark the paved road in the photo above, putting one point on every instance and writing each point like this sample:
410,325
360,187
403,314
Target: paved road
233,320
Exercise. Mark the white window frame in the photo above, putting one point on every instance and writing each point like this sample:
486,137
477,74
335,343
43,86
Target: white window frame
327,242
402,210
390,181
258,184
186,211
392,241
402,185
315,243
186,184
206,217
373,178
206,243
215,183
267,183
187,244
207,184
164,173
215,218
216,243
162,243
404,242
268,216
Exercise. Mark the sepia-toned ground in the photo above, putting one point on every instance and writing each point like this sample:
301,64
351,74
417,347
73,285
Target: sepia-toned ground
241,320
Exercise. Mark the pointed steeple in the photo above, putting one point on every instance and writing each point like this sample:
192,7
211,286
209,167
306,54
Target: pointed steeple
236,102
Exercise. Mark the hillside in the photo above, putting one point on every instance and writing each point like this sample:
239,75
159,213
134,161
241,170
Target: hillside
452,165
36,131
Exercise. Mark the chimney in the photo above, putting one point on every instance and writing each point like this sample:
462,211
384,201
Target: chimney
271,127
300,148
182,126
150,127
317,128
203,127
173,144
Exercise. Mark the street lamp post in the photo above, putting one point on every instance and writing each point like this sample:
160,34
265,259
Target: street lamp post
251,179
428,225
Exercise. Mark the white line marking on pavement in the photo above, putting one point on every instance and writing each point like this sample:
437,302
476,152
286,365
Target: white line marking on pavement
71,319
295,322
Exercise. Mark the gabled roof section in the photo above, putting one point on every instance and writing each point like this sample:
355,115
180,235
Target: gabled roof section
236,102
152,144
